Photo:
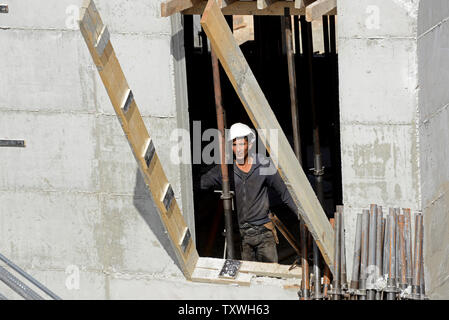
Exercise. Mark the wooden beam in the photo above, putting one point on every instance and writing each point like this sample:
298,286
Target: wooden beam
263,4
170,7
302,3
257,268
100,47
319,8
250,8
262,116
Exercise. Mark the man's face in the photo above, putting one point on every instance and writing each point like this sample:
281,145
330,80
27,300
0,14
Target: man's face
240,149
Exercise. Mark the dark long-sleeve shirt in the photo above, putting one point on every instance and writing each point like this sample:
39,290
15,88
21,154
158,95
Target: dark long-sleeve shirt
251,189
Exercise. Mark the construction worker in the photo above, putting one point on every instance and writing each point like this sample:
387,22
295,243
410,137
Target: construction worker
251,182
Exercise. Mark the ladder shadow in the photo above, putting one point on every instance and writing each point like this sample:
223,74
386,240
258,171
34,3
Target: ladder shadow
144,203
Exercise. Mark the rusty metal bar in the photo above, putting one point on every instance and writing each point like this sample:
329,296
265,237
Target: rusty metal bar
288,39
364,255
402,258
408,245
343,278
327,271
379,248
305,283
226,195
416,292
391,282
370,294
354,286
336,284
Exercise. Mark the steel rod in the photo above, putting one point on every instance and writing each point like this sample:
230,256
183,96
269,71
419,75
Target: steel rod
354,286
288,39
371,294
416,292
379,247
336,285
305,283
343,278
391,282
422,279
408,246
18,286
19,270
402,259
327,271
226,194
364,254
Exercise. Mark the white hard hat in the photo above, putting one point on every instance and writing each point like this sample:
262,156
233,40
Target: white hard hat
240,130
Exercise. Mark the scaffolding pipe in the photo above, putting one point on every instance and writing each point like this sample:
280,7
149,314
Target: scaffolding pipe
288,39
305,283
336,285
354,286
28,277
402,255
18,286
379,243
226,195
416,290
408,246
391,282
372,233
343,277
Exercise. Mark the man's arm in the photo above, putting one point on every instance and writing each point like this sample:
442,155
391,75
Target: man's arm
275,182
210,180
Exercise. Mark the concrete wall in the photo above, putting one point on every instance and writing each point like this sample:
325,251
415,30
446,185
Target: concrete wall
378,107
433,58
73,199
393,99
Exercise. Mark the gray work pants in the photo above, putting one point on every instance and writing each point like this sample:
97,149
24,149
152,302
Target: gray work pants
258,244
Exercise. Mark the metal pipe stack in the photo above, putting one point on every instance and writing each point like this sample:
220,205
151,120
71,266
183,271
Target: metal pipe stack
382,257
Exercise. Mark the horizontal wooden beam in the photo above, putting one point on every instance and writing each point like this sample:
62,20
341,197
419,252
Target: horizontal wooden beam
170,7
262,116
263,4
250,8
319,8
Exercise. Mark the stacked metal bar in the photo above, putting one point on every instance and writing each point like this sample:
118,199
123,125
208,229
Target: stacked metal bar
383,265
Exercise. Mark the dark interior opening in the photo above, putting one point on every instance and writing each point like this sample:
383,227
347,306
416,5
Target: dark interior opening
268,61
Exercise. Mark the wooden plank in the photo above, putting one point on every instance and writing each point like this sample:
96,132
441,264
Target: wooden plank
253,267
303,3
263,4
173,6
250,8
212,276
319,8
262,116
128,114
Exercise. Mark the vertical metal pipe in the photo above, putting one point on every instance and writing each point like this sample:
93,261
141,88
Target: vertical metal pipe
391,283
327,271
337,256
386,244
343,278
422,286
408,245
401,259
354,286
370,295
397,212
226,194
379,248
364,255
296,28
305,283
288,39
417,258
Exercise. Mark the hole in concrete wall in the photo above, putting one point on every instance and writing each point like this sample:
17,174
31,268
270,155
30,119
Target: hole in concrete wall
265,53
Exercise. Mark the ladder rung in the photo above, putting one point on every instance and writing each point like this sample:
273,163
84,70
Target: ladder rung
127,102
102,41
149,153
184,243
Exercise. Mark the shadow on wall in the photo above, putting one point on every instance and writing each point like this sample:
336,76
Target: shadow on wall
144,203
